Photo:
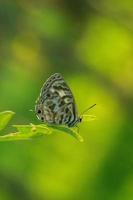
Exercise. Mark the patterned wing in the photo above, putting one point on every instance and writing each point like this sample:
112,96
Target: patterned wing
56,104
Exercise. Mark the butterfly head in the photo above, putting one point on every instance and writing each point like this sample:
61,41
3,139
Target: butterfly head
79,119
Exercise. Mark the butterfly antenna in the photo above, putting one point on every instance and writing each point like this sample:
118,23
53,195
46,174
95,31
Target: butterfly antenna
86,110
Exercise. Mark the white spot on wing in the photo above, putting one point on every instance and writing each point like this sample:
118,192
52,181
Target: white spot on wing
52,90
61,93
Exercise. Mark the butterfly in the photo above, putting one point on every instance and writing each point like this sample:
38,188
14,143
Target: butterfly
56,104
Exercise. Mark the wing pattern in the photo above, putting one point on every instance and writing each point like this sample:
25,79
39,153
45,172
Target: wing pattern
56,104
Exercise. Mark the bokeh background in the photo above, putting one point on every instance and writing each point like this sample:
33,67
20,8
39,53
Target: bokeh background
91,44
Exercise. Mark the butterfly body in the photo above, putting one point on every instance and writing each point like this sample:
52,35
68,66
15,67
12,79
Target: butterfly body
56,104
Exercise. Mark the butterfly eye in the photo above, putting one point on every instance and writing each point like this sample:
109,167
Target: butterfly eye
39,111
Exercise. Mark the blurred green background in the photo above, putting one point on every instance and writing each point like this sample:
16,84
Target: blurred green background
91,44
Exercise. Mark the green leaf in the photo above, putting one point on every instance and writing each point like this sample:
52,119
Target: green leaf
26,132
33,130
67,130
5,117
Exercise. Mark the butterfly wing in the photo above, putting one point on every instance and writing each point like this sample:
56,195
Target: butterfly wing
56,104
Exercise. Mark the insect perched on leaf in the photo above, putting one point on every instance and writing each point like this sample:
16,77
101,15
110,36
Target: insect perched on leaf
56,104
